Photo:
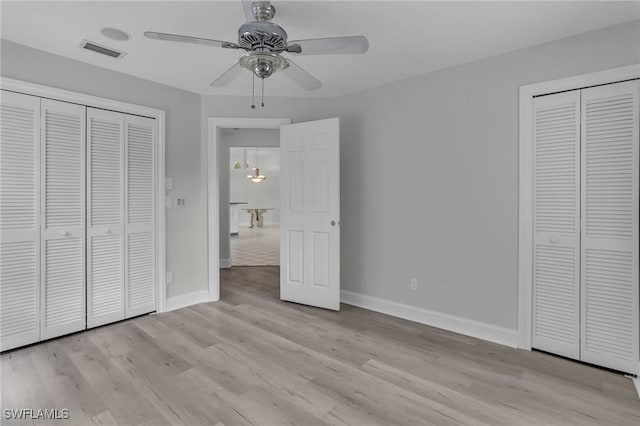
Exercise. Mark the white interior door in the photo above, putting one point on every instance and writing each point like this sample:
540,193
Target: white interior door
63,213
310,213
556,239
140,281
19,220
105,211
610,226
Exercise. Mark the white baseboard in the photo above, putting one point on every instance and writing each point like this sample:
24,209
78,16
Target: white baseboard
636,383
225,263
184,300
477,329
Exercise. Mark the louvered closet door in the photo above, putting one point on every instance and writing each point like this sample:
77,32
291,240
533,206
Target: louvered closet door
140,283
63,226
610,226
556,253
19,220
105,211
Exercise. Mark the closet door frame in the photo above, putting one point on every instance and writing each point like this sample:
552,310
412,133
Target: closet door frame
42,91
525,228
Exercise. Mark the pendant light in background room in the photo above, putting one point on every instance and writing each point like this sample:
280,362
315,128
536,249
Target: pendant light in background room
256,176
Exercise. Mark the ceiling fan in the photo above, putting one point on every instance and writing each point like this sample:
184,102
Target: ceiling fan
264,42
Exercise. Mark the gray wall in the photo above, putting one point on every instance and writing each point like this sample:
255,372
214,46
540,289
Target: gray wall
237,138
184,236
429,176
429,167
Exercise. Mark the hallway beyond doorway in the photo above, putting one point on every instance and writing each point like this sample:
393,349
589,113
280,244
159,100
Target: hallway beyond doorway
256,246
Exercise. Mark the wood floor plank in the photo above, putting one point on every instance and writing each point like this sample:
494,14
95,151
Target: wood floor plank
444,395
276,408
65,384
251,359
104,419
22,384
125,404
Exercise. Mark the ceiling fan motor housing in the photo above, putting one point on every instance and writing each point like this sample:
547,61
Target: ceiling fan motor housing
262,36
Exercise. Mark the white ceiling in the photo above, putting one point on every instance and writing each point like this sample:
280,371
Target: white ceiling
406,38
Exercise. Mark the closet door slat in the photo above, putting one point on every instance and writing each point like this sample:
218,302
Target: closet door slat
19,220
556,251
105,211
140,283
610,226
63,211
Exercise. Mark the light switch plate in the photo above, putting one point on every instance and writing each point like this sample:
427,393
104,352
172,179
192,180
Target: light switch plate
413,284
169,277
168,202
168,183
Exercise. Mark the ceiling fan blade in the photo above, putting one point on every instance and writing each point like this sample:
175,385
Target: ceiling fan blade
186,39
329,46
300,76
228,76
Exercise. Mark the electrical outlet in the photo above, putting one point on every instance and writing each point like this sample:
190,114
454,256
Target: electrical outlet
169,277
413,284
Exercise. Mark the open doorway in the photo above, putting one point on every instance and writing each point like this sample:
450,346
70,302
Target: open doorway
254,204
309,200
249,188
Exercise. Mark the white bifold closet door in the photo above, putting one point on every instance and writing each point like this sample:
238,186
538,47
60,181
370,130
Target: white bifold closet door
556,239
140,288
610,226
105,217
19,220
63,287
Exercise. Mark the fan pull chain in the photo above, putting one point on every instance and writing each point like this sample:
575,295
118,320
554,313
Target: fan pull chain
253,91
262,92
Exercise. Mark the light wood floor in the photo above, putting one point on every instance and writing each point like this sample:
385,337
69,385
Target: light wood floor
252,359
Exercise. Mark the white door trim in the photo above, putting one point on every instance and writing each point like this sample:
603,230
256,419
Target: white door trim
214,124
525,226
108,104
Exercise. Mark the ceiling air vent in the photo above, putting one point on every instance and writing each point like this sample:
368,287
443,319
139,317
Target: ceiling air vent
107,51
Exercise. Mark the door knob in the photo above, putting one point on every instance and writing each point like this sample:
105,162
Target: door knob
64,234
333,223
